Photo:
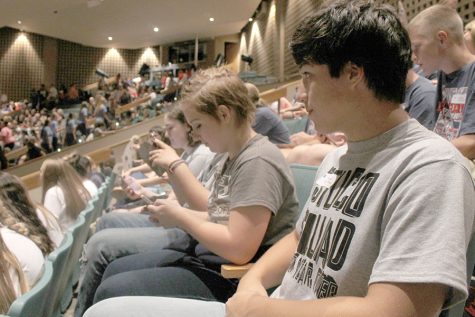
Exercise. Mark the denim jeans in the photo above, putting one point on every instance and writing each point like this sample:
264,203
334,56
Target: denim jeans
109,244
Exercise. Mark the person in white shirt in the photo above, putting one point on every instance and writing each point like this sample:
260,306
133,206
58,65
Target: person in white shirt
62,191
22,266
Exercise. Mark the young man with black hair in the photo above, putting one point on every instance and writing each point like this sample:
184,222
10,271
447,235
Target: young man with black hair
381,234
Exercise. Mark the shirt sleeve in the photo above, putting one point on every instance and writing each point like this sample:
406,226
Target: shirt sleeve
417,214
258,183
468,123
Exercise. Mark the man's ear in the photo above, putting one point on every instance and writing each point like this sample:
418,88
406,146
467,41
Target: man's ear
355,74
224,113
442,38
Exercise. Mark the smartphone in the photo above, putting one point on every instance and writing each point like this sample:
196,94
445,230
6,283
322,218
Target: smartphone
144,153
131,182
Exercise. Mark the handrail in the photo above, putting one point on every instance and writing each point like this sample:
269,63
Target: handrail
92,86
32,180
109,140
9,114
131,105
14,154
275,94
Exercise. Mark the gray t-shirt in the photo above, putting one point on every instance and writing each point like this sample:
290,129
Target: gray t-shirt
257,176
198,158
419,102
269,124
456,103
397,208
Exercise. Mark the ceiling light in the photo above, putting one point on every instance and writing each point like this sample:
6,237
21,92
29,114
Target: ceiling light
211,19
155,29
250,19
19,22
110,38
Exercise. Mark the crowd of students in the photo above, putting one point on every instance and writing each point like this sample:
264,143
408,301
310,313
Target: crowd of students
391,211
41,126
29,231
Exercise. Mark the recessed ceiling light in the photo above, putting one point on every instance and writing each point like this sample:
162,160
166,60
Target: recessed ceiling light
155,29
211,19
19,22
110,38
250,19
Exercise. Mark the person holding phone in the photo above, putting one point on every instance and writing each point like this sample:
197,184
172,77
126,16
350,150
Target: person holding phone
107,245
250,204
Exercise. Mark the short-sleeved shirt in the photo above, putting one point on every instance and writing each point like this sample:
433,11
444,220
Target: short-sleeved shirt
397,208
197,158
419,102
257,176
269,124
29,257
456,103
6,135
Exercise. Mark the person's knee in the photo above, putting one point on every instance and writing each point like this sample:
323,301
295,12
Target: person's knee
114,286
100,245
107,221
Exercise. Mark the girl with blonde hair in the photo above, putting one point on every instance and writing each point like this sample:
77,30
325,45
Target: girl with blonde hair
27,218
63,192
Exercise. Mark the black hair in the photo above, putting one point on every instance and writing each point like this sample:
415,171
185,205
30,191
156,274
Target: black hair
359,32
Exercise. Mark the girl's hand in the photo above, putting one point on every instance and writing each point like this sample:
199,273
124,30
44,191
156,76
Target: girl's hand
165,212
164,155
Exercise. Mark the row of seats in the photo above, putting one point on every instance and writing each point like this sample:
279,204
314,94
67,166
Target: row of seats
53,293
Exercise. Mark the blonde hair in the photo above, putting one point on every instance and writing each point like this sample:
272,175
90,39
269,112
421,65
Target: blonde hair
18,213
7,289
60,173
213,87
470,27
439,18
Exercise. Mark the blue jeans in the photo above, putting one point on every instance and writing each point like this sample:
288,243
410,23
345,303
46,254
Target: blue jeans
109,244
171,273
124,220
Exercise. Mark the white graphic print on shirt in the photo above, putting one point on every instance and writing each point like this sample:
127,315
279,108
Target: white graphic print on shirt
327,228
451,111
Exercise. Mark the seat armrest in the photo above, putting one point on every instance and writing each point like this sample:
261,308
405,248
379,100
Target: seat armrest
234,271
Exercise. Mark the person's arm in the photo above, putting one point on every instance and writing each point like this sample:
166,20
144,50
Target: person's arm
269,270
238,241
185,185
304,138
383,299
466,145
144,168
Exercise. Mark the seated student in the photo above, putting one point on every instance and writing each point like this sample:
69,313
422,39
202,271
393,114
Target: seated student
437,37
25,217
250,205
382,234
266,122
83,167
314,152
419,100
62,191
22,265
195,154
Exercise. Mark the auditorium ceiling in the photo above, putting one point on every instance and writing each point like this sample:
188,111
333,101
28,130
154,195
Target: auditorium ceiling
127,23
